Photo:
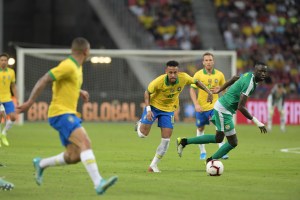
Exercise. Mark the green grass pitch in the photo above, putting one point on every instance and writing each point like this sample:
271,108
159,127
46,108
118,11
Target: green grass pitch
256,169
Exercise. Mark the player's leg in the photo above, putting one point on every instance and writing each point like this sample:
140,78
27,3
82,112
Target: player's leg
280,108
10,112
80,150
270,112
220,144
165,122
225,127
201,120
143,126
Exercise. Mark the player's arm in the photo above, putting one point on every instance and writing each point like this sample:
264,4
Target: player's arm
227,84
85,95
243,109
147,104
13,88
36,91
193,96
203,87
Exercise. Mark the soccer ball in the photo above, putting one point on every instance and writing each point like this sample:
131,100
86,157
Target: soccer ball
214,168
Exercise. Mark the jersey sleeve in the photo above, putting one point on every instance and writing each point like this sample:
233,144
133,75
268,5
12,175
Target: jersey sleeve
61,71
189,80
152,86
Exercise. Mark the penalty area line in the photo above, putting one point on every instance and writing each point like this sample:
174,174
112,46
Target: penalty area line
291,150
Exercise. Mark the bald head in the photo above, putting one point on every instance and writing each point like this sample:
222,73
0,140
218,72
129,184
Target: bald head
80,45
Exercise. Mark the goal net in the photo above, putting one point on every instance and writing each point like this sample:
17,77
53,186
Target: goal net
115,79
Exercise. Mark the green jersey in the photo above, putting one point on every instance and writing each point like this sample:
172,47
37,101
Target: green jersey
245,85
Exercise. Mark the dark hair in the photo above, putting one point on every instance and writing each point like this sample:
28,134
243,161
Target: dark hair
4,55
172,63
259,63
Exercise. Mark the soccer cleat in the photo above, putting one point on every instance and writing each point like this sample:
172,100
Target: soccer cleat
38,171
208,159
4,140
202,156
225,157
180,143
105,184
5,185
153,169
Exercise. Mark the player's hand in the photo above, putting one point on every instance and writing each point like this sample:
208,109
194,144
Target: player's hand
198,108
85,95
215,90
150,115
24,107
263,129
210,97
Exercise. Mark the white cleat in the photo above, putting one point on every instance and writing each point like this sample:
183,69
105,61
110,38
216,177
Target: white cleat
153,169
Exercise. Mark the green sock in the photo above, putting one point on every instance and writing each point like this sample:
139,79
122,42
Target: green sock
203,139
225,148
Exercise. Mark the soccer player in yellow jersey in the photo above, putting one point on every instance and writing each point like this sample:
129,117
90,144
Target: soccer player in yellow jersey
7,84
161,100
66,79
211,78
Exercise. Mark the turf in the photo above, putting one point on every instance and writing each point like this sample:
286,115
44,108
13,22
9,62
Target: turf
256,169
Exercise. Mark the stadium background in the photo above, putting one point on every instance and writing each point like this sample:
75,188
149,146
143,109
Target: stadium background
257,30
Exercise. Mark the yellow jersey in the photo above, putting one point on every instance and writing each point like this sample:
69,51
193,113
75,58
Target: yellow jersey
165,96
7,77
66,87
216,78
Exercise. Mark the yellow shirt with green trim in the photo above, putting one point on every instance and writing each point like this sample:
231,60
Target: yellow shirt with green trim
66,87
165,96
7,77
216,78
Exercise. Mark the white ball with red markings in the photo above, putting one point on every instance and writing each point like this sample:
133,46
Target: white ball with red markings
215,168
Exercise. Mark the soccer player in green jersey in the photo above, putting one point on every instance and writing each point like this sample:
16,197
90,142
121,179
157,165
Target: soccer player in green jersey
234,99
161,100
7,84
211,78
66,79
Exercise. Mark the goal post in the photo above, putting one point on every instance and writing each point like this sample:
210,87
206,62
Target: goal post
115,79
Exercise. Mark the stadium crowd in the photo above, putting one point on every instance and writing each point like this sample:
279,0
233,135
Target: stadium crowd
172,23
263,30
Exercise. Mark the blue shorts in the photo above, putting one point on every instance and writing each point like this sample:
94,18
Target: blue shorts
65,124
165,119
202,118
9,107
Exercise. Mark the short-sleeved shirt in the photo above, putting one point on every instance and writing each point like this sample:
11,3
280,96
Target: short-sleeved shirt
7,77
216,78
165,96
66,87
245,85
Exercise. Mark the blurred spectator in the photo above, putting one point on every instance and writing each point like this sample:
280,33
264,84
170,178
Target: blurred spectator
264,30
170,21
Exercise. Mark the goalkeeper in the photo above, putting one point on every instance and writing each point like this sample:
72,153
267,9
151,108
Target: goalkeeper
234,99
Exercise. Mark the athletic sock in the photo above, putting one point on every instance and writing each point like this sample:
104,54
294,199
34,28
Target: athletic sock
204,139
53,161
201,146
222,151
160,151
89,162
